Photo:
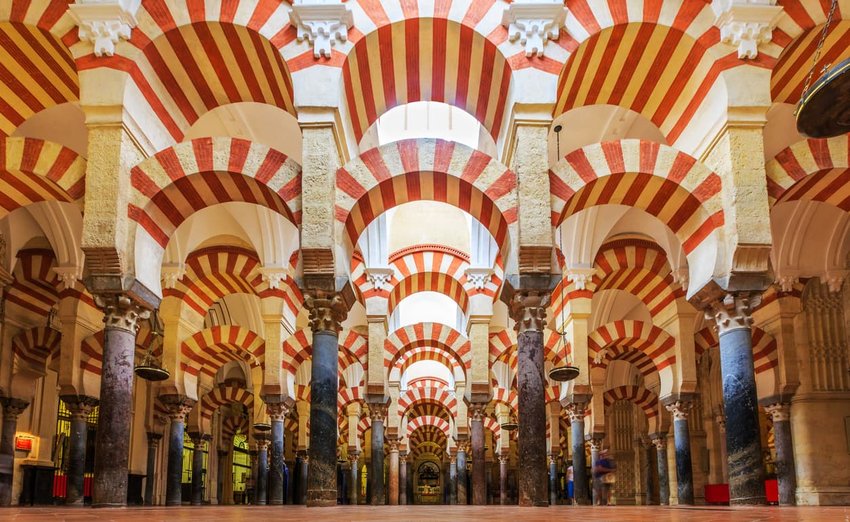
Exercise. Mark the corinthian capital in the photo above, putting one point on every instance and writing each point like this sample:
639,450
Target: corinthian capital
576,411
779,411
528,309
277,410
328,310
680,408
734,311
177,406
378,412
13,407
121,312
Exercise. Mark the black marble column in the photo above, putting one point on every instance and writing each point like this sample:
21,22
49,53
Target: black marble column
112,442
11,409
479,480
595,441
409,484
528,310
503,479
225,473
377,496
303,473
80,407
646,470
553,480
740,401
453,483
277,414
462,494
682,439
659,440
150,472
402,479
178,407
353,479
261,492
786,473
198,441
327,312
576,410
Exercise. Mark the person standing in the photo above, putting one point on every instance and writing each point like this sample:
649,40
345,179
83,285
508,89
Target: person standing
570,486
604,477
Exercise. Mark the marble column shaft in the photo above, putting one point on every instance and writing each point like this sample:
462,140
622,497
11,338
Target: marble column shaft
402,480
580,485
261,491
353,480
531,417
303,473
646,471
80,408
503,480
11,409
224,465
553,481
660,443
479,484
112,444
321,482
393,477
462,494
682,441
277,413
377,497
453,483
174,479
786,472
150,472
198,469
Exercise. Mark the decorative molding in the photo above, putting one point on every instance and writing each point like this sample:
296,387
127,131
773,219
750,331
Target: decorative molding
379,277
734,311
322,23
478,277
533,23
69,275
581,276
171,273
779,411
528,309
104,22
746,24
834,279
274,276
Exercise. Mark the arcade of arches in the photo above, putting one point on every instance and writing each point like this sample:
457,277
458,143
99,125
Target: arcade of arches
358,236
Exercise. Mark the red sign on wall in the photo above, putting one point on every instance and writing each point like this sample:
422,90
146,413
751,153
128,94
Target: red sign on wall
23,444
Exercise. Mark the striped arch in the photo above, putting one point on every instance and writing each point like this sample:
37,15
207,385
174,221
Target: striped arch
36,346
35,286
668,184
639,268
396,64
185,67
36,35
222,395
425,169
427,353
428,420
419,395
812,170
704,340
354,349
427,439
233,424
176,182
646,346
91,349
643,398
33,170
505,396
765,355
298,349
210,349
427,335
428,282
212,273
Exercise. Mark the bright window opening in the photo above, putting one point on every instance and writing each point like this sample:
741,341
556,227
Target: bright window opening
428,120
428,307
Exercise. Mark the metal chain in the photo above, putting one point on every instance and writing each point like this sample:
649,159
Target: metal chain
816,57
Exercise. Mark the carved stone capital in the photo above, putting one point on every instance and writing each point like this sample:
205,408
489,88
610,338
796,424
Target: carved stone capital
171,273
779,411
477,411
154,438
528,309
503,459
834,280
177,406
680,408
121,312
13,407
595,441
392,445
378,412
273,276
327,310
721,423
277,410
581,276
80,406
734,311
379,277
463,446
478,277
533,22
263,444
746,24
353,456
576,411
322,23
104,22
402,457
198,439
69,275
659,440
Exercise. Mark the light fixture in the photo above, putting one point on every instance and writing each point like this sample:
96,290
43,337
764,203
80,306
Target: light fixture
151,369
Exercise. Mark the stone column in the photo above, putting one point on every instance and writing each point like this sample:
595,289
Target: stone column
261,486
327,312
786,472
402,479
225,474
680,409
178,407
408,465
355,474
453,484
503,479
198,441
733,315
392,479
576,411
112,444
646,469
528,310
595,442
11,409
721,426
553,480
659,440
277,413
479,484
378,413
252,453
462,493
304,472
80,408
150,478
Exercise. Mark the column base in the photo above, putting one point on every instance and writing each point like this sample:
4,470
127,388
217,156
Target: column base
321,498
748,501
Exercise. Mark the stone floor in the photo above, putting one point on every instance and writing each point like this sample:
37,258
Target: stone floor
432,514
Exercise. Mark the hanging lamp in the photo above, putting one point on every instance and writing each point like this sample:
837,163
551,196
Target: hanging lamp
567,372
824,107
151,369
